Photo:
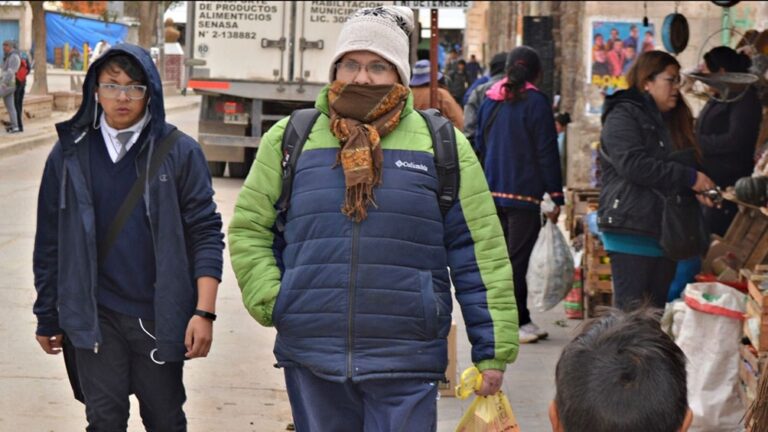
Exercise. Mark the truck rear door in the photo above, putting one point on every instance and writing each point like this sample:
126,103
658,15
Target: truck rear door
318,24
241,40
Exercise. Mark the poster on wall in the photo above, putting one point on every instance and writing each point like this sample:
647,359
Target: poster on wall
614,46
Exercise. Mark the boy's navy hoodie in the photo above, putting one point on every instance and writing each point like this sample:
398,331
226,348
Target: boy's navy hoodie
178,201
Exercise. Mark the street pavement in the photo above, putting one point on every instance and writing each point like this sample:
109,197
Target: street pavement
236,388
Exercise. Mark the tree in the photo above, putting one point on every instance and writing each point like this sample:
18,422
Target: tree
148,24
40,85
146,13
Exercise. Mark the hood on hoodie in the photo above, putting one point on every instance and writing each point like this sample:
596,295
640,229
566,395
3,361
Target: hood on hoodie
497,91
84,117
630,95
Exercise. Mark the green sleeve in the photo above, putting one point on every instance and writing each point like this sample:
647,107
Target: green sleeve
250,231
480,267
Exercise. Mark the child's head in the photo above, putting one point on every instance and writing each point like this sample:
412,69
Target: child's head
122,90
622,373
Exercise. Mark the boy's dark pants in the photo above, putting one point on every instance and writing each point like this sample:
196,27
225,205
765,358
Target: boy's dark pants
123,366
521,230
18,101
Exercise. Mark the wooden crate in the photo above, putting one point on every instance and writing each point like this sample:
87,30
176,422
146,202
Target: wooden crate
756,322
598,286
596,265
750,367
579,202
592,303
746,238
753,353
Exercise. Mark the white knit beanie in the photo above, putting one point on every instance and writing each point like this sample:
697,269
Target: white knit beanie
384,30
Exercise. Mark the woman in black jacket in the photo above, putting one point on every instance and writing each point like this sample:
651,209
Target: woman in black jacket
646,129
727,134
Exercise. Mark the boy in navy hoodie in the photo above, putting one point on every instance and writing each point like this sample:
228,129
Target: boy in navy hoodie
129,304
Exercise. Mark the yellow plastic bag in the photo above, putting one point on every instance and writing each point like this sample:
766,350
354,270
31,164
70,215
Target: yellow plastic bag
486,413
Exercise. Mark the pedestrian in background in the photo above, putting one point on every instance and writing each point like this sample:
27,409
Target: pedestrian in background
475,95
421,94
727,134
127,261
517,140
473,69
101,47
561,126
648,151
21,85
11,64
458,81
357,282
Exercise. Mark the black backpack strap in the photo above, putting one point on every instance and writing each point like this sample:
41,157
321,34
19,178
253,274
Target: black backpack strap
137,190
296,132
446,157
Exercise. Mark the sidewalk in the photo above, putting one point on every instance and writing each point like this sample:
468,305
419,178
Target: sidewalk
529,382
42,132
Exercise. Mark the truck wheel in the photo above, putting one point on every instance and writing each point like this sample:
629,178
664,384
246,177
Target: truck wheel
216,168
238,169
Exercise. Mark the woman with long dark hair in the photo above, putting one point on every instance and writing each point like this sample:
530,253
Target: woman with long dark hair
648,151
727,133
517,141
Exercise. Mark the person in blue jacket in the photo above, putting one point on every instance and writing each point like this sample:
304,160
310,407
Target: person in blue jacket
133,312
517,141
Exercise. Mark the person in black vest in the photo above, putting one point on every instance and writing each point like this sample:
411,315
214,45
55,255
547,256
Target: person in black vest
727,134
131,302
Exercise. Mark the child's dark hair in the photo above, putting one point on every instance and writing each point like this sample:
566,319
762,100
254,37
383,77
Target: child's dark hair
125,62
523,65
622,373
728,59
563,118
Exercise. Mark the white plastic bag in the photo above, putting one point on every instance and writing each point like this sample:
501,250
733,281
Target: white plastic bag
550,269
709,336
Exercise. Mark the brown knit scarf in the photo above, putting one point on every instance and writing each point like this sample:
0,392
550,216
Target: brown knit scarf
360,116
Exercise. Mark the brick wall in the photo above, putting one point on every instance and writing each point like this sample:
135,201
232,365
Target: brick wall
34,107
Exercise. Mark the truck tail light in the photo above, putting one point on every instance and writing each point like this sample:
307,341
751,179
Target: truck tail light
233,112
231,108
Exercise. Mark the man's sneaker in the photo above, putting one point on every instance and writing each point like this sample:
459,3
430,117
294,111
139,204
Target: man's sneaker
526,336
535,330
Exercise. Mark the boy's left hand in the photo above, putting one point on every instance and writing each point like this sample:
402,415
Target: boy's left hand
198,337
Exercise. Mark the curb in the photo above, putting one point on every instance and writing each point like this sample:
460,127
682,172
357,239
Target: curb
24,144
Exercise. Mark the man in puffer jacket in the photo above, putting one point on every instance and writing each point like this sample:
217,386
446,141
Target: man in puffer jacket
360,295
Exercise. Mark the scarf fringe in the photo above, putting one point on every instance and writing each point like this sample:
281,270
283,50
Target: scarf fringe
358,197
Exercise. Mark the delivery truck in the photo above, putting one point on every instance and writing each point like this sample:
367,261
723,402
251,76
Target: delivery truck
254,62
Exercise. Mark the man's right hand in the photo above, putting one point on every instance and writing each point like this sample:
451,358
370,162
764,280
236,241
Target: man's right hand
50,344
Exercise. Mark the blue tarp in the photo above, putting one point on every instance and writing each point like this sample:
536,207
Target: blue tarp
76,31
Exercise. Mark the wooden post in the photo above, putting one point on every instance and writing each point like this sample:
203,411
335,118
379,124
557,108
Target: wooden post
433,59
86,56
66,56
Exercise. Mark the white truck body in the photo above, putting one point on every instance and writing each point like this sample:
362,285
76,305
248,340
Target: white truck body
254,62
